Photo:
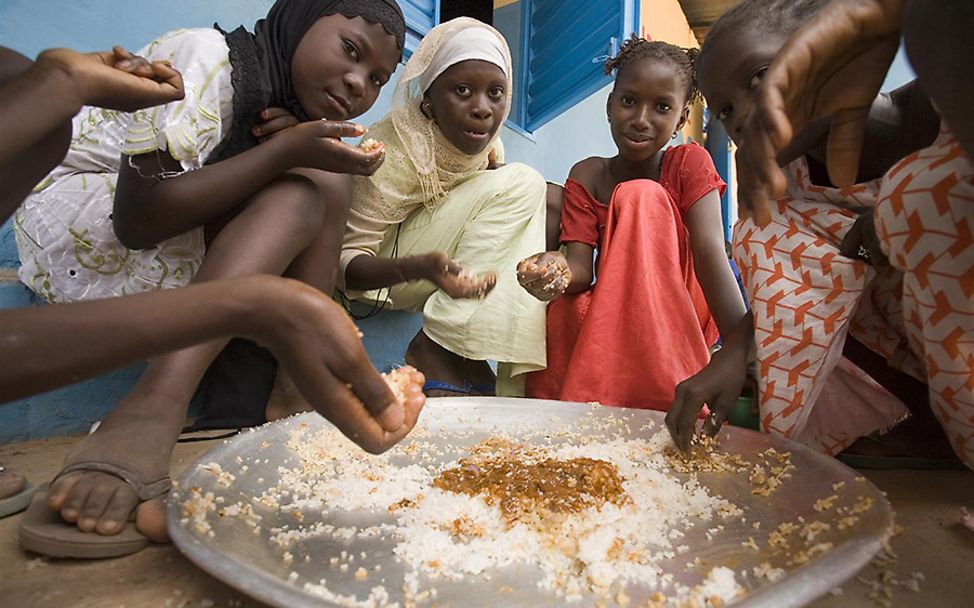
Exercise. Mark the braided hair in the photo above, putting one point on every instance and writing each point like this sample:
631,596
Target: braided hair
763,17
636,49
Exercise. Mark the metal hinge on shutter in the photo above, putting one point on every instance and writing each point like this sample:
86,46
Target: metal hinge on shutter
613,49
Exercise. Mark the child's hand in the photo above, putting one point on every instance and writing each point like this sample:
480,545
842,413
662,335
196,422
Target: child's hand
320,347
273,121
544,275
317,144
861,242
832,66
718,384
454,279
115,80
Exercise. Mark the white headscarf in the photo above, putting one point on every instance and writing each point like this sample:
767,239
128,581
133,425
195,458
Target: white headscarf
465,45
421,165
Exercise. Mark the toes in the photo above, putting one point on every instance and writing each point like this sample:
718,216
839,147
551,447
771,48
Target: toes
61,489
74,502
94,506
117,512
11,483
95,502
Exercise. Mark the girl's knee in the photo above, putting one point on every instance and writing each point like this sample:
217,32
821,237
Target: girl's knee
313,194
334,190
640,188
644,196
294,202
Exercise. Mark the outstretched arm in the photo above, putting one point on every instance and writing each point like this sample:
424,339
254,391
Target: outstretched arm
710,264
720,382
718,385
367,272
61,81
832,66
149,208
308,333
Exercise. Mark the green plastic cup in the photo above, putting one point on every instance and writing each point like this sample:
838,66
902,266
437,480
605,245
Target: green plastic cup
744,414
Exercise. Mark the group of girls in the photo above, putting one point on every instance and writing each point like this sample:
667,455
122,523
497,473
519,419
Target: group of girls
248,175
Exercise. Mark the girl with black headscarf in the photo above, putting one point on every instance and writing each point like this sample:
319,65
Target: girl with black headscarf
157,198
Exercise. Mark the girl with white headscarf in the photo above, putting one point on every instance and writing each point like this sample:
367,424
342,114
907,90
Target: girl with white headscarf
437,211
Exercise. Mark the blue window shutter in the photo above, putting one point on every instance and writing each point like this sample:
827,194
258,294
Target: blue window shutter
421,16
565,45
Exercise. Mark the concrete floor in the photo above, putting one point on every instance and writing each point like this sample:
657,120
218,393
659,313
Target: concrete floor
928,506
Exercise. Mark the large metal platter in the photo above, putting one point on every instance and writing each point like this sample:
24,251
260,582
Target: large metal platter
233,553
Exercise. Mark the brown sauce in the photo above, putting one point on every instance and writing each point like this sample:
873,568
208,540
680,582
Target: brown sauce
528,488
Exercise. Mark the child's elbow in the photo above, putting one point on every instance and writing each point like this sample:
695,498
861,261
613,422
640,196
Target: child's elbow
132,234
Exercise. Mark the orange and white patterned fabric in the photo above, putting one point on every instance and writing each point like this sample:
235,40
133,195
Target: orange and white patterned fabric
925,223
806,297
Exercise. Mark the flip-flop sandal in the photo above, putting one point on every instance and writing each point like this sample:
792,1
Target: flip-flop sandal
919,463
43,531
16,503
916,463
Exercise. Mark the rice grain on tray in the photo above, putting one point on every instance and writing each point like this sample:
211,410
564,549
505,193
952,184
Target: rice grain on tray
627,510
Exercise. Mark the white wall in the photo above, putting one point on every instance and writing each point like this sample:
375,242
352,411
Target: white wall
580,132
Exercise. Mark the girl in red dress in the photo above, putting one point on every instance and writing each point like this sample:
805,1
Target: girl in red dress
647,224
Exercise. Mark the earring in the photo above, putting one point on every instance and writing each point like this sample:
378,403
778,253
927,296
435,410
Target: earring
424,107
675,133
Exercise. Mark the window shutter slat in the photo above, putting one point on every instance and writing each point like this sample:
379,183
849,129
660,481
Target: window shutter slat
562,43
421,16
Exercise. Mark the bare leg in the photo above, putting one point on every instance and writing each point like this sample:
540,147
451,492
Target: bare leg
270,231
437,363
480,375
553,202
317,266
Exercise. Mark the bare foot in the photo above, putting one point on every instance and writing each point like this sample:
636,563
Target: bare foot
138,436
285,399
436,363
11,483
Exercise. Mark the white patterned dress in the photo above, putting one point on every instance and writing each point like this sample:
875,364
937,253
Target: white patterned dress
67,245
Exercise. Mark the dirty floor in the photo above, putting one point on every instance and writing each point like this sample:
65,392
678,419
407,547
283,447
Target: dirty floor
927,503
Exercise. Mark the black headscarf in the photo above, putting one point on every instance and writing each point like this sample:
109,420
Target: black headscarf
261,61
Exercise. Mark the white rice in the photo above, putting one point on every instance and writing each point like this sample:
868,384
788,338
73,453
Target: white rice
598,550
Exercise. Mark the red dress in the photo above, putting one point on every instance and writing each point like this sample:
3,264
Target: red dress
644,326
